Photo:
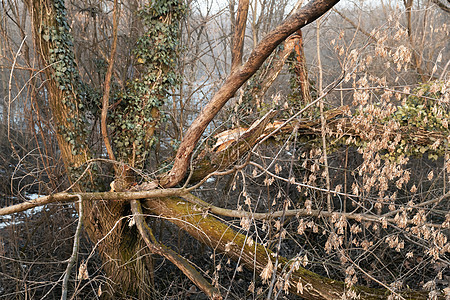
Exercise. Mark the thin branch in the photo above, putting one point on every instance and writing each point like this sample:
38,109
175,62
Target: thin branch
397,296
421,204
357,27
76,243
441,5
107,84
9,96
292,213
386,89
322,118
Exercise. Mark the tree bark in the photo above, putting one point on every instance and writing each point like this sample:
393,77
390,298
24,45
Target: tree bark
301,70
417,60
239,34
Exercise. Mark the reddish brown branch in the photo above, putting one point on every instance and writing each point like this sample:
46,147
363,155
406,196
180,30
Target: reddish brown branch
239,34
301,70
107,84
304,16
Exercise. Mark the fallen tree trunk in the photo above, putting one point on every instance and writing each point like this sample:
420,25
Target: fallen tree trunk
207,229
198,222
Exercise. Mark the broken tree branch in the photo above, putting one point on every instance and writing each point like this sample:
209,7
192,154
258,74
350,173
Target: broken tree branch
71,197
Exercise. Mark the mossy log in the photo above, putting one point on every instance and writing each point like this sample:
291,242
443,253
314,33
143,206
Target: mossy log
207,229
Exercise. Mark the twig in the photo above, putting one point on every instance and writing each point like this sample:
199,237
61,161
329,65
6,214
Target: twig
9,96
277,253
376,280
76,243
322,118
356,26
283,216
292,212
386,89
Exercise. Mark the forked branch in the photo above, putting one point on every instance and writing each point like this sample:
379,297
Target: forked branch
175,258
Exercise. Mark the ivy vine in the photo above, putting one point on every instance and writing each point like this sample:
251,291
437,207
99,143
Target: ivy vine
74,101
66,76
422,119
138,111
424,109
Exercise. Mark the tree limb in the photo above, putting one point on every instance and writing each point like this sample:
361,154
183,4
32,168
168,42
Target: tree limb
104,196
302,212
175,258
255,256
304,16
107,84
239,34
73,257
